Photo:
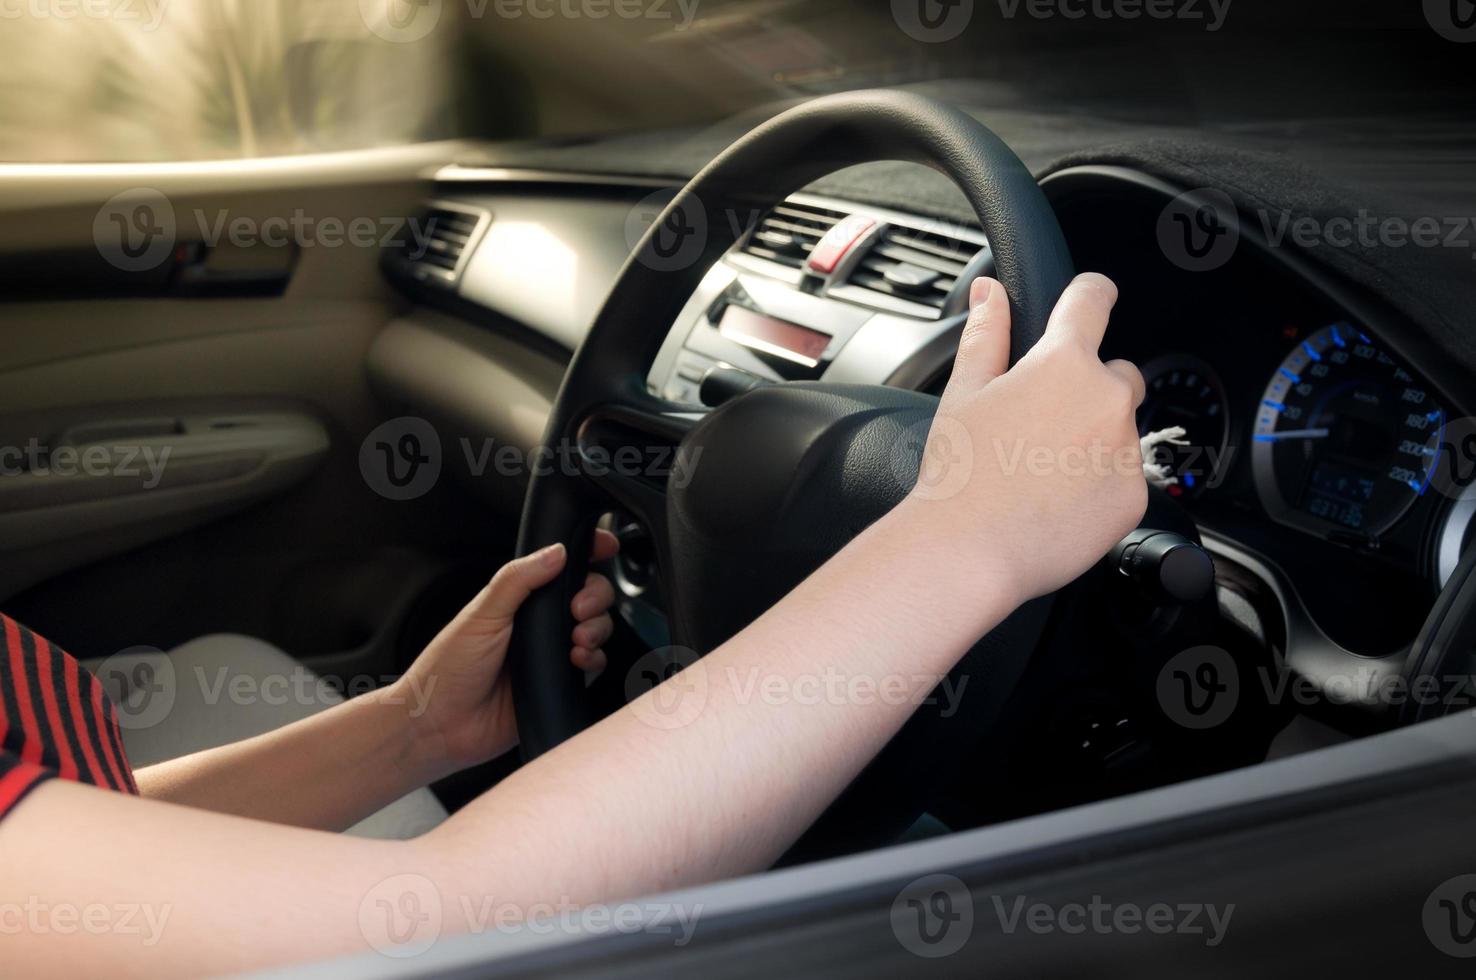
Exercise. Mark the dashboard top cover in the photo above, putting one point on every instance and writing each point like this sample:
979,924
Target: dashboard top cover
1299,184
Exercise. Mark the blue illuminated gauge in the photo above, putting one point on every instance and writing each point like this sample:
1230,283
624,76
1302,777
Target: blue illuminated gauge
1345,437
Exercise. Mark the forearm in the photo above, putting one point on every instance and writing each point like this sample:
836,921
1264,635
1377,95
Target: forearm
635,805
751,767
326,772
624,810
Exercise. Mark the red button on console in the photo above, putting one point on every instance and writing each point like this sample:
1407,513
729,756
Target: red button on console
837,242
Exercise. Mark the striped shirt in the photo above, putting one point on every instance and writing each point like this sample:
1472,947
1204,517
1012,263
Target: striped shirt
55,721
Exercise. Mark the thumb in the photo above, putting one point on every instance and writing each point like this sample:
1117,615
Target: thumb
515,581
984,350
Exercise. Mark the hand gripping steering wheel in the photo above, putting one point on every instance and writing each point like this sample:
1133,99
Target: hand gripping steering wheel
786,475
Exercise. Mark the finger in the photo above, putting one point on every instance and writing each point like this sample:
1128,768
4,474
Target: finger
984,349
1082,313
606,546
589,661
516,580
596,596
593,633
1129,372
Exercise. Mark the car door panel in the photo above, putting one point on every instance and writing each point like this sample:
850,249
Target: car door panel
245,329
73,492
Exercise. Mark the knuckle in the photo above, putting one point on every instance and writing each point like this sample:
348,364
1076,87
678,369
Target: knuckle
507,575
1129,373
1097,285
1063,355
1121,394
973,334
978,320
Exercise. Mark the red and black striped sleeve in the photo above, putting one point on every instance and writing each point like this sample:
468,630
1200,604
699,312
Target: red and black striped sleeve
55,721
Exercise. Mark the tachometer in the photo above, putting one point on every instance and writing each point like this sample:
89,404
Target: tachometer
1184,392
1346,437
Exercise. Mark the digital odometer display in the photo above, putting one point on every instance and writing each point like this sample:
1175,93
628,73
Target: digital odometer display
1345,438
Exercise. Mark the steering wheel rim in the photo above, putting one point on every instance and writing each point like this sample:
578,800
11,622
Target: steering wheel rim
606,380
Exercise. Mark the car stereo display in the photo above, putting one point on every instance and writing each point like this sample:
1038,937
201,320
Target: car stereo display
778,338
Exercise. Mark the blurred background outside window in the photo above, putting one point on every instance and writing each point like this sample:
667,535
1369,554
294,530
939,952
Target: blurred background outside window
166,80
155,80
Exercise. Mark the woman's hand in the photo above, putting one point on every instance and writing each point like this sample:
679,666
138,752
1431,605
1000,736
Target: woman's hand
460,697
1035,471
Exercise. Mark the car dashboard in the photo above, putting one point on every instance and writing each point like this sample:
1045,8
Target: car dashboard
1307,422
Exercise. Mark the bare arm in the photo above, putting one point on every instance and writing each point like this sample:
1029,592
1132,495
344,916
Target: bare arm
896,609
722,793
452,710
326,772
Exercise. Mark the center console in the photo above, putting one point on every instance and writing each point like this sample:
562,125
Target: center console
824,290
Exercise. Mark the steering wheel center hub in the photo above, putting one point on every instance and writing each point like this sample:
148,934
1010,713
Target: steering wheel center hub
781,479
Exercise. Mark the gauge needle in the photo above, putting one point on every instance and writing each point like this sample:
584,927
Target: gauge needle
1288,434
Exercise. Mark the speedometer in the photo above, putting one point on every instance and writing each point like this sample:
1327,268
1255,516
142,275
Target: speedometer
1345,436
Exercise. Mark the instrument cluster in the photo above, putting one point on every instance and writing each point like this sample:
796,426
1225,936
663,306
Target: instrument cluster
1344,440
1297,420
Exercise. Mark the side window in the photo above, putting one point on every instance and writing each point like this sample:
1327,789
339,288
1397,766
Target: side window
89,81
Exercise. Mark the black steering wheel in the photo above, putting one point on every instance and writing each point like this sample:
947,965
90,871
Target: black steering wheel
783,477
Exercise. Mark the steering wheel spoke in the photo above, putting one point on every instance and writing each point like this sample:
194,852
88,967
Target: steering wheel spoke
632,451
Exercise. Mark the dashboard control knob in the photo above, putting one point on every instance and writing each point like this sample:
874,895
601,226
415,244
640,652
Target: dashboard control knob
911,278
1167,567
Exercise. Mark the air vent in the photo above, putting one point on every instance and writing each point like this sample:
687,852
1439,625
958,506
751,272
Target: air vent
913,265
437,245
789,233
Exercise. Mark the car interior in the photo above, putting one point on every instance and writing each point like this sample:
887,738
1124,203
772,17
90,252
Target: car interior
382,361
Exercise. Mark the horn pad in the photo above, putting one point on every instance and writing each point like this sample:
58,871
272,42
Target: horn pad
782,479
